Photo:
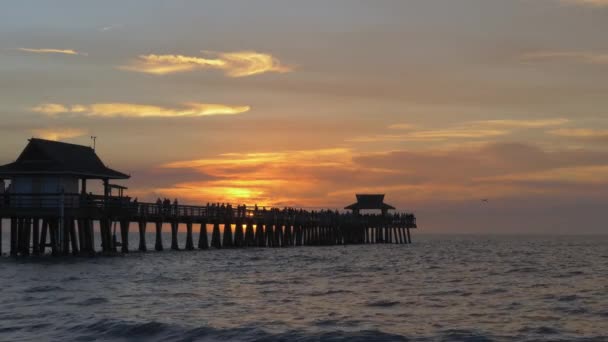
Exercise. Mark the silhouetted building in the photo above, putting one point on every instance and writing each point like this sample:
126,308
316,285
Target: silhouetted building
51,167
370,202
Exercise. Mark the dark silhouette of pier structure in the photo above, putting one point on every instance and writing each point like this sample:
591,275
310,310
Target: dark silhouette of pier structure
50,210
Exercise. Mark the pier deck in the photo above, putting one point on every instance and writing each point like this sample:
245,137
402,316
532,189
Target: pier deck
63,224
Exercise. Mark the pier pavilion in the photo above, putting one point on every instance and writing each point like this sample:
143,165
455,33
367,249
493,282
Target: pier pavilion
49,208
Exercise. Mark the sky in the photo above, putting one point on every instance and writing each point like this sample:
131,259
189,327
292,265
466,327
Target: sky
437,104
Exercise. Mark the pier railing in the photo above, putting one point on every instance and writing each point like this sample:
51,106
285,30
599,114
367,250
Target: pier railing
64,223
52,204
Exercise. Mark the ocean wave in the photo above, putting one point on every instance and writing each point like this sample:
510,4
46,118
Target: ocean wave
156,331
43,288
383,303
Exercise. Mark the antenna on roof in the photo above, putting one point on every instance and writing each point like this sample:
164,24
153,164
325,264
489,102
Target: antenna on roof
94,138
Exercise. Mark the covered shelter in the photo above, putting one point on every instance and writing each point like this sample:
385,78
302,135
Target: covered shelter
370,202
47,167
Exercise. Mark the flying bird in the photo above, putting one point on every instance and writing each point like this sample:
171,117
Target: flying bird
485,200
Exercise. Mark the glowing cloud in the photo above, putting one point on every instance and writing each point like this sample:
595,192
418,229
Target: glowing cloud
434,135
582,133
59,134
54,51
271,178
50,108
523,123
141,111
234,64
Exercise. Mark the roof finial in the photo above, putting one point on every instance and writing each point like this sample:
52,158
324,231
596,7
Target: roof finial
94,138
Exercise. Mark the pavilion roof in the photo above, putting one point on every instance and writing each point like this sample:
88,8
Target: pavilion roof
370,202
46,157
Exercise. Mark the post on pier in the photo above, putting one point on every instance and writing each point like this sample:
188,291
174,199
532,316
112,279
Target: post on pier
215,235
239,235
203,242
142,235
158,246
189,241
124,235
227,239
174,229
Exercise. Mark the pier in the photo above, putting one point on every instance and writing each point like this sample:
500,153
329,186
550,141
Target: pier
63,222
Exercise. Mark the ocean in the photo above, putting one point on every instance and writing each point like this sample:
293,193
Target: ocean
441,288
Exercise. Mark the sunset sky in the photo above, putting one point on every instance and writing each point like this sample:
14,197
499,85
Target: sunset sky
437,103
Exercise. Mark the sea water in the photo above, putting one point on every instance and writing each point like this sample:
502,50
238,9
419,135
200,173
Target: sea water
441,288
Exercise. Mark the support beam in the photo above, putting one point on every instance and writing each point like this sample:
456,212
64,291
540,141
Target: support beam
73,236
174,228
142,235
215,235
124,235
203,242
189,242
227,240
158,246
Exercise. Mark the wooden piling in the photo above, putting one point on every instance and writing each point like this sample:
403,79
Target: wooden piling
174,229
124,235
202,237
43,233
189,241
249,234
142,225
73,237
239,235
259,234
227,240
1,235
54,233
215,235
158,246
409,237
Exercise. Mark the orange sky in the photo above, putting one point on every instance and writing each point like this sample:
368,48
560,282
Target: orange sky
438,104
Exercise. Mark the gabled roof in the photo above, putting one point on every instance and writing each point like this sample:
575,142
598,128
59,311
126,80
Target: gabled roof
46,157
370,202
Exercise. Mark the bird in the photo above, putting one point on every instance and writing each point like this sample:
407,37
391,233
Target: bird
485,200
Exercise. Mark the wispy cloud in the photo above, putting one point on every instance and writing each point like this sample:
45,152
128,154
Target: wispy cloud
403,126
582,133
58,133
433,135
597,3
234,64
53,51
522,123
110,27
586,57
139,110
471,130
267,178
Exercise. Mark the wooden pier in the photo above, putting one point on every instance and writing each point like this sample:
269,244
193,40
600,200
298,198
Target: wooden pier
50,210
63,224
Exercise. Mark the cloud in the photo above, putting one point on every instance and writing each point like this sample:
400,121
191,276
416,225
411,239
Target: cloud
59,133
582,133
472,130
404,126
522,123
596,3
234,64
53,51
330,177
586,57
109,28
269,178
140,111
433,135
